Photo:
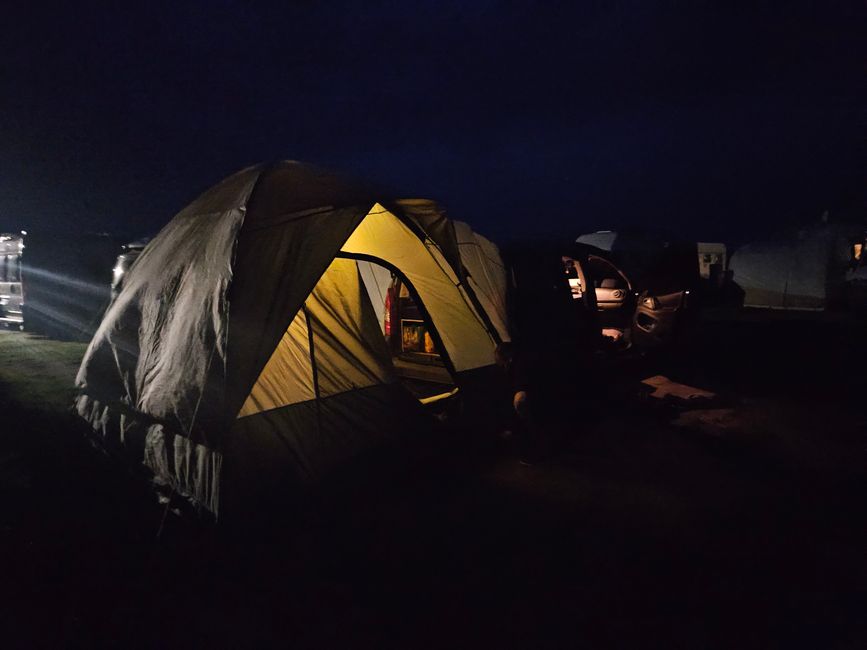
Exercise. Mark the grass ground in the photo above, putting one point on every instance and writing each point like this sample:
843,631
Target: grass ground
652,527
38,372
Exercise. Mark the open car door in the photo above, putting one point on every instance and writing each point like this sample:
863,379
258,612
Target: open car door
614,297
656,316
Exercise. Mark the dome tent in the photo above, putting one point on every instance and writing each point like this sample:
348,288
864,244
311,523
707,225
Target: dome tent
243,355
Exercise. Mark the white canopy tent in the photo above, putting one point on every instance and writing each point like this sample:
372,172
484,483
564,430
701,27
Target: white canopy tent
803,270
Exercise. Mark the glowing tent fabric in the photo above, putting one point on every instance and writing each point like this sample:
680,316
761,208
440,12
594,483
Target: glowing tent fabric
486,274
244,354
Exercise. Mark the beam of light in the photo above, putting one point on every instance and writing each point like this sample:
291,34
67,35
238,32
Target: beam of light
64,295
74,321
67,319
64,280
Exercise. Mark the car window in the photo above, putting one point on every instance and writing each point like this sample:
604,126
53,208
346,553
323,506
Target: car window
605,274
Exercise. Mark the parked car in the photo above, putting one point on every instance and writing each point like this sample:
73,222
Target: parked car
573,299
11,288
630,311
412,340
53,283
124,263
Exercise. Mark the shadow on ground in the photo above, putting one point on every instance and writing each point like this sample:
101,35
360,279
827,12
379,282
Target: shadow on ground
646,529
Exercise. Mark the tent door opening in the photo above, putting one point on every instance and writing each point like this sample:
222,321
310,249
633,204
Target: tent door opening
417,352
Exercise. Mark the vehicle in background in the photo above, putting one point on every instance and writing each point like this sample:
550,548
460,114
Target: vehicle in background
569,302
700,266
11,288
124,263
647,251
406,330
712,263
64,282
411,338
630,311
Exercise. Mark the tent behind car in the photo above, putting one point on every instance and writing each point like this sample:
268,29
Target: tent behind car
244,356
801,270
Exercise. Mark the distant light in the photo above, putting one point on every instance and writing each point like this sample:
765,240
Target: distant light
23,232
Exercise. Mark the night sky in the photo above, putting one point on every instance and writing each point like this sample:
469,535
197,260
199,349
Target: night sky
721,120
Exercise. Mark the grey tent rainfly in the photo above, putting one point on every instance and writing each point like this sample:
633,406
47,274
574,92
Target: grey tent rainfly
244,354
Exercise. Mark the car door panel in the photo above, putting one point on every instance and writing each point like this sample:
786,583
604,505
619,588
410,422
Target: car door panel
656,316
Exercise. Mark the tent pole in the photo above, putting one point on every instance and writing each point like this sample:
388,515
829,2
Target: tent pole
313,367
477,305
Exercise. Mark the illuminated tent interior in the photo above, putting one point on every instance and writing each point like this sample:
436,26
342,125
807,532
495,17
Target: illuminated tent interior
246,353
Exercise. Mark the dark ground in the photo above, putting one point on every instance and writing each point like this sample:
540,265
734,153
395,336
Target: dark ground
737,527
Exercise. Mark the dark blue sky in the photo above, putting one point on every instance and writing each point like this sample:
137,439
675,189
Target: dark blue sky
714,118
